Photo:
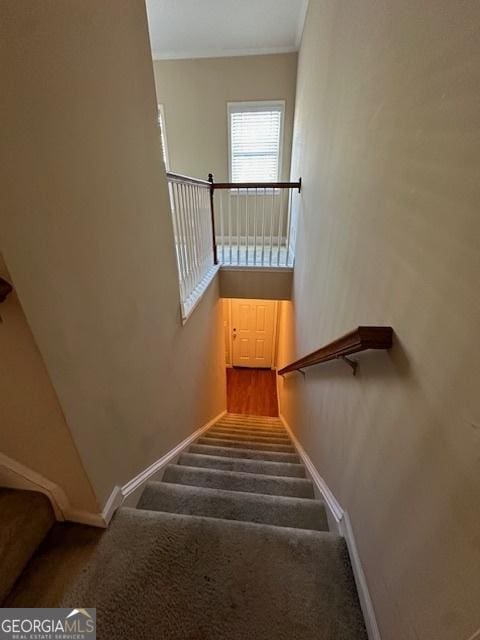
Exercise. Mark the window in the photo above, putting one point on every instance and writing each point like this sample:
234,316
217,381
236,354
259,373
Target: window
163,135
255,140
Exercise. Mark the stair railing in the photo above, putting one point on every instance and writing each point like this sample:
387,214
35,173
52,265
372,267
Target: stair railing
193,227
254,222
360,339
248,224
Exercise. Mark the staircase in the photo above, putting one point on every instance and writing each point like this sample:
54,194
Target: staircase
231,544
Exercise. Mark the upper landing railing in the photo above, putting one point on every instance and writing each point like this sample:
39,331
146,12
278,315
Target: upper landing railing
254,225
247,224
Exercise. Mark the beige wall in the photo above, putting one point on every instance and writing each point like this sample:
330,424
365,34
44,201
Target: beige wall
86,234
387,141
266,284
33,427
195,95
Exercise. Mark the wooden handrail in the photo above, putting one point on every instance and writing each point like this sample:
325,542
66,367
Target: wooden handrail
258,185
179,177
360,339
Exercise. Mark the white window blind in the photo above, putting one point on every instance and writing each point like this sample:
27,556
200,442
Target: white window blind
256,131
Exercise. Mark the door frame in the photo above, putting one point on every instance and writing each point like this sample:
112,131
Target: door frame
273,364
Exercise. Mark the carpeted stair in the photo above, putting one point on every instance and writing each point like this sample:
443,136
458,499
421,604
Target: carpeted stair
25,519
248,495
231,544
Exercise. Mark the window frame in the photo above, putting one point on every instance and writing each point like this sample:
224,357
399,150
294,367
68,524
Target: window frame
256,105
162,119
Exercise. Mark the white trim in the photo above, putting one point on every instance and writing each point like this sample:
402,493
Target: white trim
345,529
187,306
257,105
119,494
253,267
274,339
85,517
330,500
114,501
163,132
366,603
61,506
301,24
220,53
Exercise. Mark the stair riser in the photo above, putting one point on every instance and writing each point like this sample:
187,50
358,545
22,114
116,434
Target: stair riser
255,434
249,437
228,505
244,425
250,454
245,466
262,420
231,481
246,445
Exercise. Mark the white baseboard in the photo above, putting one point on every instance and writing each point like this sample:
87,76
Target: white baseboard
360,579
119,494
19,476
344,527
330,500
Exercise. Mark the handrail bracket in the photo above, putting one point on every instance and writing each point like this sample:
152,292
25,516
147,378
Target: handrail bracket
351,363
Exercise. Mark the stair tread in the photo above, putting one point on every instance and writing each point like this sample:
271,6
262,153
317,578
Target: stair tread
253,454
302,513
228,578
239,481
286,469
246,444
245,431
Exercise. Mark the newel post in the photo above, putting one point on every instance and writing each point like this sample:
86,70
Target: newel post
212,213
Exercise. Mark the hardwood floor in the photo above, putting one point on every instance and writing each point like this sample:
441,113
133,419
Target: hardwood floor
252,391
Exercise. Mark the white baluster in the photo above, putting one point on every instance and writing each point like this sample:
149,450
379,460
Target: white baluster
255,229
280,224
289,222
222,226
238,226
271,226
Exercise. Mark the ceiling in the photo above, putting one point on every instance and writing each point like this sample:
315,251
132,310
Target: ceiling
212,28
